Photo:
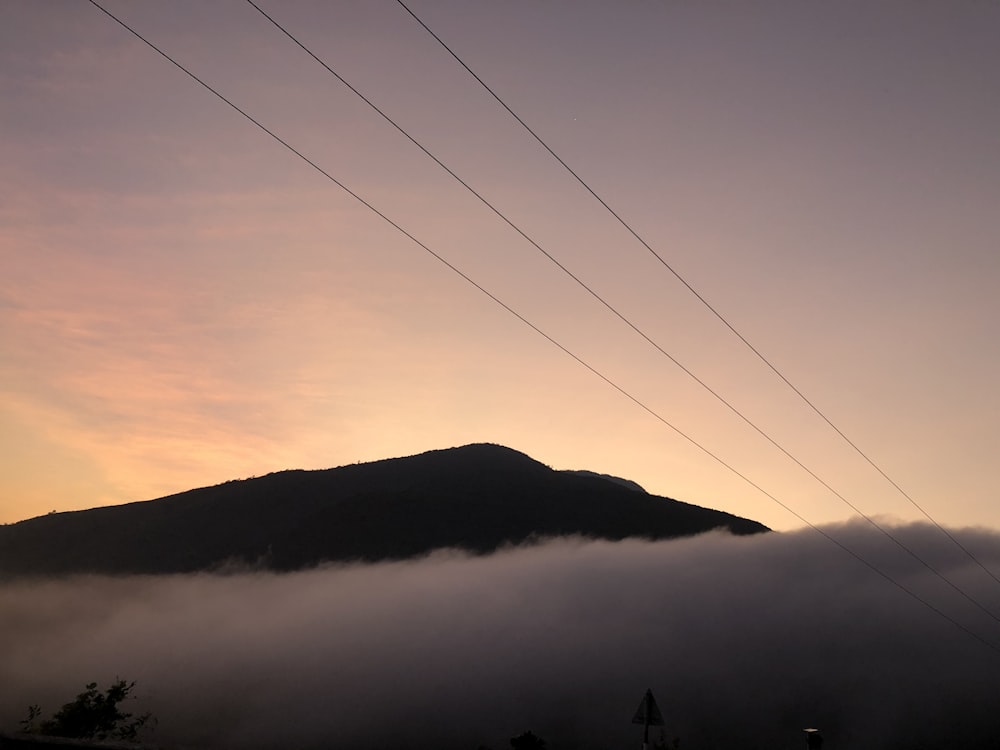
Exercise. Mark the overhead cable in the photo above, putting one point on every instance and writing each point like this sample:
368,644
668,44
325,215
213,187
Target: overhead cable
703,300
611,308
900,586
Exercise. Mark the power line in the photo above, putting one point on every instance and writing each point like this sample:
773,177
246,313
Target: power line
909,592
871,521
701,298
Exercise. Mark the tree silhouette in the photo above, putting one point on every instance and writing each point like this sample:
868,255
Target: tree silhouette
93,715
527,741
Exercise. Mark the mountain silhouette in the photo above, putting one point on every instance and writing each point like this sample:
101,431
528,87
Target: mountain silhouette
475,498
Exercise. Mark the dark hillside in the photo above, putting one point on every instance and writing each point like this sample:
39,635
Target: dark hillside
476,498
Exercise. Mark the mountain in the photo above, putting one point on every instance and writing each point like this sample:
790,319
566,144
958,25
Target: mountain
476,498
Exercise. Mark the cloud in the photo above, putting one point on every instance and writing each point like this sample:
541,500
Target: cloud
743,641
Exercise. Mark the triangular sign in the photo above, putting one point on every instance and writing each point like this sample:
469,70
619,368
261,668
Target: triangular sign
648,712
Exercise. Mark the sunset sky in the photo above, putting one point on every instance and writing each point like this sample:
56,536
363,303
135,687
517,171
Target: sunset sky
183,301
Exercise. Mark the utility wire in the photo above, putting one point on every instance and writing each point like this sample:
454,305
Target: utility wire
621,316
702,299
903,588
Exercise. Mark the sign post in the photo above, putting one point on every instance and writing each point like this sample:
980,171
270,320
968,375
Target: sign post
648,714
814,740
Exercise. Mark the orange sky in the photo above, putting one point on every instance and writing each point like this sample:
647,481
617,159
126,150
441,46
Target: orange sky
183,302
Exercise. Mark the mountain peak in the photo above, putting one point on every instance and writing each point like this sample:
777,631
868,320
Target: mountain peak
476,497
634,486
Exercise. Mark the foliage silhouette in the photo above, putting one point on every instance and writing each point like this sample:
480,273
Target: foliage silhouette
93,715
527,741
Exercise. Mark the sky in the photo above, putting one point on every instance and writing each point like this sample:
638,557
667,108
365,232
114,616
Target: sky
744,641
183,301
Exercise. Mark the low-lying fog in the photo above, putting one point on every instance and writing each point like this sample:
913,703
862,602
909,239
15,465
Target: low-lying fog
744,641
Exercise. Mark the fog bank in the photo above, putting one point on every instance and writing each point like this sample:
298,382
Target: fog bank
744,641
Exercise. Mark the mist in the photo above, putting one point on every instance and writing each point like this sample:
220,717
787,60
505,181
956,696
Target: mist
743,640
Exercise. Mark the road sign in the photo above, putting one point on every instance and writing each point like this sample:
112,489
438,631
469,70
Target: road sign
648,712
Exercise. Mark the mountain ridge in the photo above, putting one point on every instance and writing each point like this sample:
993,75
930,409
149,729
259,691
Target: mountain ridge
477,498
